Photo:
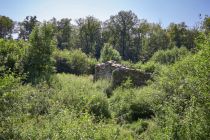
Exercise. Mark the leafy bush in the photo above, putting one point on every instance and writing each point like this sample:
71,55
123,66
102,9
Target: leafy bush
138,127
99,107
185,111
148,67
67,125
75,62
11,56
81,94
188,77
66,111
131,104
193,124
169,56
8,106
108,53
128,63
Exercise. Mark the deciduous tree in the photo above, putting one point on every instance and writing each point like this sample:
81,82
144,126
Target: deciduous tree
39,62
90,35
26,27
6,27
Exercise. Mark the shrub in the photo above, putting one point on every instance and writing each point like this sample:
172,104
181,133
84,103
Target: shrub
8,104
80,93
138,127
127,64
98,106
66,111
108,53
131,104
67,125
185,111
148,67
11,56
169,56
75,62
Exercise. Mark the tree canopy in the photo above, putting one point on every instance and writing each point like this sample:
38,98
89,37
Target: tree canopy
6,27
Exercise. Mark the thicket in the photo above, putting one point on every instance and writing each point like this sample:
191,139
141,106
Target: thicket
169,56
108,53
47,92
39,63
12,54
74,61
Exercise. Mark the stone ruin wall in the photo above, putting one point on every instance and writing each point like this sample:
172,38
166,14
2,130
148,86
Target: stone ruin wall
104,70
118,73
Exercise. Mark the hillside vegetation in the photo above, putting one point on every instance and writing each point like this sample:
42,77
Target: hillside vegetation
47,89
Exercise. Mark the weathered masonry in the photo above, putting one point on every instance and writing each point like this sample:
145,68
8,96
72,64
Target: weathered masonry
118,73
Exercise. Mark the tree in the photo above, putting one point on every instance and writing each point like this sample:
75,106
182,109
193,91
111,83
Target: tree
108,53
154,39
121,27
90,36
39,62
206,24
140,35
180,35
64,34
6,27
26,27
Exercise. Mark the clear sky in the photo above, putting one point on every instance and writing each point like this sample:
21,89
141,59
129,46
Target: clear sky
163,11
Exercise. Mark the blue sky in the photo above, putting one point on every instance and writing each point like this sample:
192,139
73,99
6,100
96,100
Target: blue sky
163,11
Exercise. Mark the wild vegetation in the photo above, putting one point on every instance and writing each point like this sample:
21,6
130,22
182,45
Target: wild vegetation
47,89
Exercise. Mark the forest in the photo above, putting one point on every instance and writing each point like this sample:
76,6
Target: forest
47,91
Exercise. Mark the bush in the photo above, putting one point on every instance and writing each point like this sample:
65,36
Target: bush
128,63
130,104
138,127
148,67
184,114
108,53
169,56
81,94
11,56
8,104
66,111
67,125
99,107
193,124
75,62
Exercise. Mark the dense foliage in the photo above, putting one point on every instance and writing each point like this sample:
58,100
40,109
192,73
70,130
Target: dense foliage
6,27
74,61
169,56
39,61
185,110
108,53
47,89
12,54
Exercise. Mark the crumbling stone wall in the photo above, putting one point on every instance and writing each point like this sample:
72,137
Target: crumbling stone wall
104,70
118,73
138,78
